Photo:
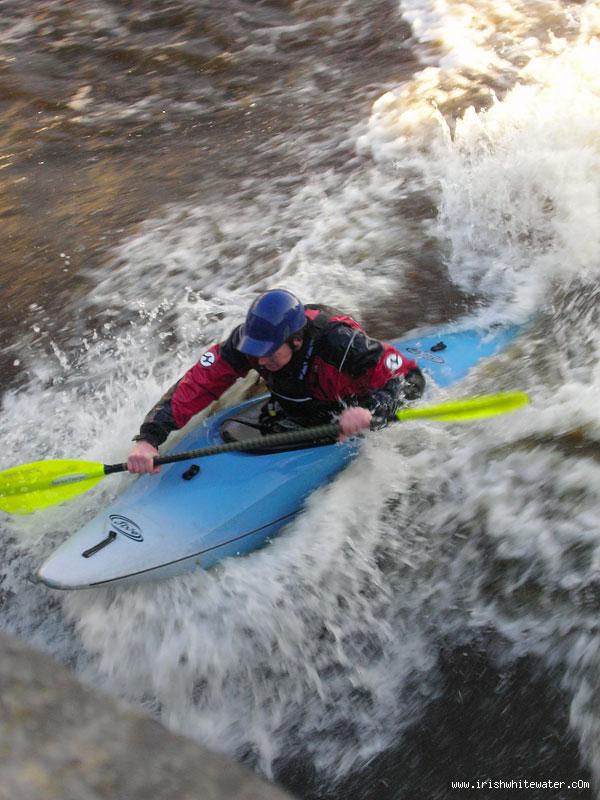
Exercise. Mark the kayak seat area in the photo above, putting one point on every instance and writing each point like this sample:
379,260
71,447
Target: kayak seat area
244,425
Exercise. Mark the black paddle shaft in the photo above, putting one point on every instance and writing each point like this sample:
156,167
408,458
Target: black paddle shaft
260,443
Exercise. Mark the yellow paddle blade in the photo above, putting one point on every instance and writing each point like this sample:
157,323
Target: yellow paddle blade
487,405
44,483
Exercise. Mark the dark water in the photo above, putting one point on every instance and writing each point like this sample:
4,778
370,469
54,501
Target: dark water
110,111
115,111
488,722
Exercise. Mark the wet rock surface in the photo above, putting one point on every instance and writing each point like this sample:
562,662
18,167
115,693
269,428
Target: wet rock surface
60,739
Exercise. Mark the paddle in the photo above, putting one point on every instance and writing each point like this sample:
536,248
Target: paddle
44,483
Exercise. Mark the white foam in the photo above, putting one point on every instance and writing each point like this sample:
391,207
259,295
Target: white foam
520,188
517,183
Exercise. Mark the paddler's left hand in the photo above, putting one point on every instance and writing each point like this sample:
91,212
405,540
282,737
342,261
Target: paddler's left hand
354,420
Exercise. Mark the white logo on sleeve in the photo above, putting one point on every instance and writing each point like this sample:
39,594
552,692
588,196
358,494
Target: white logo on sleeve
393,362
208,359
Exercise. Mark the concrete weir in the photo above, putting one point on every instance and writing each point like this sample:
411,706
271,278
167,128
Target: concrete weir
60,740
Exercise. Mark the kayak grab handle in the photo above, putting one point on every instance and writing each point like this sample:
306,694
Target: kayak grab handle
93,550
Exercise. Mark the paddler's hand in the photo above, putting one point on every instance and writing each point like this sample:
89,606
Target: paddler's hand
354,420
141,458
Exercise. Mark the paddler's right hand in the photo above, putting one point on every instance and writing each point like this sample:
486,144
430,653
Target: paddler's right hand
141,458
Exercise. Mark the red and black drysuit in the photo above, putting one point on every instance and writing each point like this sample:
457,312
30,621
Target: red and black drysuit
337,366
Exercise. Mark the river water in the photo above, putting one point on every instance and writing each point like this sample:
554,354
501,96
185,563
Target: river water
433,615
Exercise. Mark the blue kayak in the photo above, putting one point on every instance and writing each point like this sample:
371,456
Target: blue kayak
182,519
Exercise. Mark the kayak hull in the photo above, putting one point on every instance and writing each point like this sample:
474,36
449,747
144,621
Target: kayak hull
168,524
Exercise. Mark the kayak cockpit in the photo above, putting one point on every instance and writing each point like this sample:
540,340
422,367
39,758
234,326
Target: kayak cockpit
245,424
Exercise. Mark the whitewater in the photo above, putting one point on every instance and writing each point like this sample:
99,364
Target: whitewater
469,193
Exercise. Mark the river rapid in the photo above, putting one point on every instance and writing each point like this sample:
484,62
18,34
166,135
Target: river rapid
432,616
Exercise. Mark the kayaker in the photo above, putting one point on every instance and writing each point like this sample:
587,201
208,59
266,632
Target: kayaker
318,364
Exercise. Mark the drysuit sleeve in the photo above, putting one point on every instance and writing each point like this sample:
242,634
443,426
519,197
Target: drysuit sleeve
377,376
215,371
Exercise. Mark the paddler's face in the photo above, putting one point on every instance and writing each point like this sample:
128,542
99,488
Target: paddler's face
278,359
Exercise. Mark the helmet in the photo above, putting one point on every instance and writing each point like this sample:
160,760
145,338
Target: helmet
272,320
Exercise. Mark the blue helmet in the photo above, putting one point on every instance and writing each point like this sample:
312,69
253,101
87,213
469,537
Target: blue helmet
273,319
